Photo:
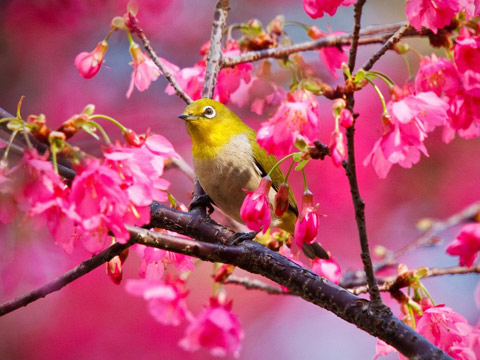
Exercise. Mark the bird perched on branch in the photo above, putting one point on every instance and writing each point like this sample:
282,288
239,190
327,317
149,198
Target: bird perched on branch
228,159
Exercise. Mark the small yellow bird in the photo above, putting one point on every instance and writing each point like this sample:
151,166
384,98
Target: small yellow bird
227,159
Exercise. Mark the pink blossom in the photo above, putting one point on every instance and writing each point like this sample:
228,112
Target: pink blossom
466,245
166,300
432,14
45,194
114,269
466,51
190,79
155,261
282,200
337,148
215,328
306,227
8,203
402,140
471,7
229,80
144,70
438,75
329,269
332,57
255,210
317,8
88,64
297,115
101,204
346,118
449,331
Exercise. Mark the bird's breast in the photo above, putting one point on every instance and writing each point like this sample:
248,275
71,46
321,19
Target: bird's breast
232,170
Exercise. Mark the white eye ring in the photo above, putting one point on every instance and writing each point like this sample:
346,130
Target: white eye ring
209,112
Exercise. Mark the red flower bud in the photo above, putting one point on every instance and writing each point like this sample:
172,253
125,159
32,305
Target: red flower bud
281,200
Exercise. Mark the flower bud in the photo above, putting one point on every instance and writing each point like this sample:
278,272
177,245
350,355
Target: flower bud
346,118
281,200
88,64
306,227
133,139
255,210
337,148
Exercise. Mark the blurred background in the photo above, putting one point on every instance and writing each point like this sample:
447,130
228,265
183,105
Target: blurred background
94,319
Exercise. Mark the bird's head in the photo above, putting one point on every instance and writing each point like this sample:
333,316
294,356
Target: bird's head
211,123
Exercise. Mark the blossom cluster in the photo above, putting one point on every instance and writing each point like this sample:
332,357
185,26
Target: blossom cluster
446,329
103,197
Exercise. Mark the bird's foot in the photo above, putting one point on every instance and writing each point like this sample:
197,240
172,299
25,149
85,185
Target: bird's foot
202,201
238,238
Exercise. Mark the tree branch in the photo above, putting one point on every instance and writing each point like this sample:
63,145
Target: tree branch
351,172
387,283
153,55
370,35
253,284
62,281
215,52
387,46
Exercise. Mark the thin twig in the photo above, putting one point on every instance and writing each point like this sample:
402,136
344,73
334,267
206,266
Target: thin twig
428,237
387,46
65,279
153,55
369,35
357,17
182,165
215,51
351,172
386,283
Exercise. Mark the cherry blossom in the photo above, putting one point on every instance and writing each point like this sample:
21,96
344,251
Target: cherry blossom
88,64
466,245
297,115
329,269
306,227
432,14
144,70
317,8
166,300
215,328
255,210
405,131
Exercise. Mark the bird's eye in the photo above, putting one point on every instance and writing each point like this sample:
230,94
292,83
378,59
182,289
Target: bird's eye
209,112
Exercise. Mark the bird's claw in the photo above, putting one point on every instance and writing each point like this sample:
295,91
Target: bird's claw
203,201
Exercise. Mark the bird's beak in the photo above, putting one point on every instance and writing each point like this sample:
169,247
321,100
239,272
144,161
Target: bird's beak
187,116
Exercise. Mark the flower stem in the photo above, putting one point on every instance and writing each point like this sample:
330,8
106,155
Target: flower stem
279,162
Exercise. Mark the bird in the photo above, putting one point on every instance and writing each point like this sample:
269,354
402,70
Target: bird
227,160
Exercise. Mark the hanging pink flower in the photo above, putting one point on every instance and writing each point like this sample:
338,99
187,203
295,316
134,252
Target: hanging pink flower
438,75
255,210
297,115
101,204
144,70
88,64
317,8
466,245
306,227
166,300
404,133
337,148
432,14
215,328
332,57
